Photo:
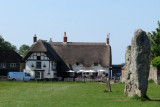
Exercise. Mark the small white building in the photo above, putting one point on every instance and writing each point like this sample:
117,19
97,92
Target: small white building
53,59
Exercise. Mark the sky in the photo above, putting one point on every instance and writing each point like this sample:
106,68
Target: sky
82,20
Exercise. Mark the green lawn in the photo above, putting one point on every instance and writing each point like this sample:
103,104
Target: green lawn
70,94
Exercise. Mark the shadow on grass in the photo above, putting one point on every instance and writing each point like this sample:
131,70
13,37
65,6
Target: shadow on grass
146,98
154,100
105,91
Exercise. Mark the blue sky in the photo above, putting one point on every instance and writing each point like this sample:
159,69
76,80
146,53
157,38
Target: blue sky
83,20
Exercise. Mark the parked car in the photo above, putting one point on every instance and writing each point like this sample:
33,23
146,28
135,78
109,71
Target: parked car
19,76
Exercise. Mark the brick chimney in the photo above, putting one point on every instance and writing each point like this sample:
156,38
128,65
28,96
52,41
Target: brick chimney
107,39
34,38
65,38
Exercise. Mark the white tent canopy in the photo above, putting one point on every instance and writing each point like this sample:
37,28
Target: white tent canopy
84,71
90,71
100,72
70,71
80,71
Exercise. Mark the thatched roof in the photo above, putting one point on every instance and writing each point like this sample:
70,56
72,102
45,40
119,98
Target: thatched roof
84,53
73,52
9,56
45,47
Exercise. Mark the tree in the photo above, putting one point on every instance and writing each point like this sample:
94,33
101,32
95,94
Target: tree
156,62
155,42
5,45
23,50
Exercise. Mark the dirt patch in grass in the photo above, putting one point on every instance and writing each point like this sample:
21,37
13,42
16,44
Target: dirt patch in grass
120,100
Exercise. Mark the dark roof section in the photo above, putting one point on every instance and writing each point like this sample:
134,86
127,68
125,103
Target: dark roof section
84,53
9,56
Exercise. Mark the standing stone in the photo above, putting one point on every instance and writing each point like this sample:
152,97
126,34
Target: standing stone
137,66
127,63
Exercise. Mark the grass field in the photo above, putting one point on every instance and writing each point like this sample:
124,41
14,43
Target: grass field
71,94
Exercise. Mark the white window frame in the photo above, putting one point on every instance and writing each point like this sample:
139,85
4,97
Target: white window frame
13,65
3,65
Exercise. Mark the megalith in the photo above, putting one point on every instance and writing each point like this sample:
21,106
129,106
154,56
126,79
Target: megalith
127,63
137,65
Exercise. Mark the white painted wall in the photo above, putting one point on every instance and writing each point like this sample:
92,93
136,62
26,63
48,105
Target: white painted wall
48,71
50,68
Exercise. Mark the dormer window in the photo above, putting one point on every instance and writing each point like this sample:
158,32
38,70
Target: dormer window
38,57
95,64
77,63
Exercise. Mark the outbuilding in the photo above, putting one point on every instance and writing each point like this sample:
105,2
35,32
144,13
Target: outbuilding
10,61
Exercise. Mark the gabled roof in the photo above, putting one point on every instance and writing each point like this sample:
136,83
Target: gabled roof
39,46
43,46
84,53
9,56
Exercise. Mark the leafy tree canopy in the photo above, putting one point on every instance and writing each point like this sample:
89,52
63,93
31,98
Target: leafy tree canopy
23,50
155,42
156,62
5,45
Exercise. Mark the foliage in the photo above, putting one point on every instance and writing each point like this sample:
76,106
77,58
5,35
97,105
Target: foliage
155,42
151,81
23,50
156,62
5,45
70,94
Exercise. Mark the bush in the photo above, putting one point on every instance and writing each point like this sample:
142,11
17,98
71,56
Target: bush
156,62
151,81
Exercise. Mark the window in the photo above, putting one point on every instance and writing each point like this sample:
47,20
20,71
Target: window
3,65
54,63
38,65
95,64
38,57
13,65
77,63
54,66
26,74
55,74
